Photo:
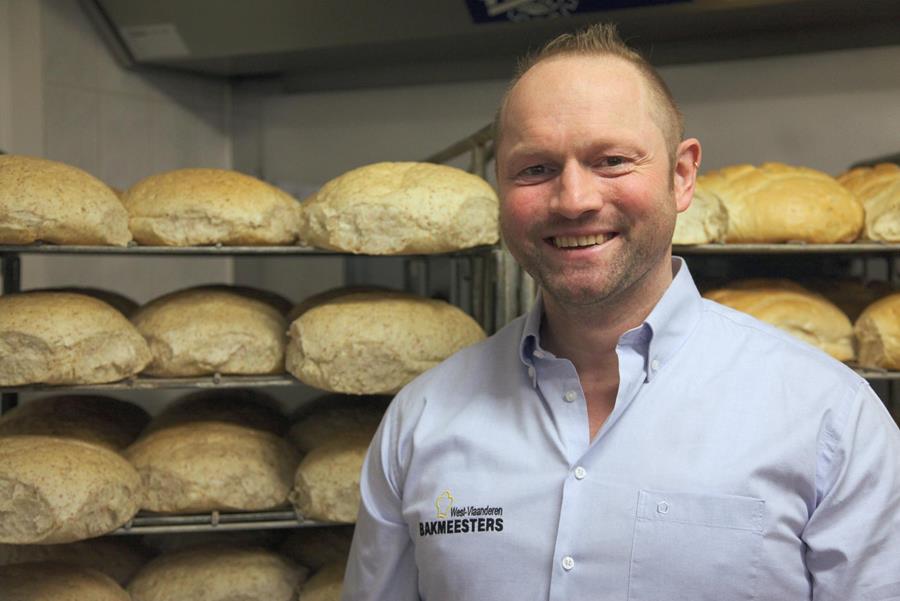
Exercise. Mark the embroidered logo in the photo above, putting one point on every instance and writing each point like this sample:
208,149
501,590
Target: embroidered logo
443,504
452,519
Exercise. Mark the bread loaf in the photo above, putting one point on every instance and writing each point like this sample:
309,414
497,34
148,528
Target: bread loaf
326,584
54,581
374,343
119,302
117,558
780,203
878,188
206,466
878,334
63,338
47,201
247,408
401,208
100,420
704,222
218,573
326,485
335,415
211,329
316,547
808,316
190,207
57,490
850,296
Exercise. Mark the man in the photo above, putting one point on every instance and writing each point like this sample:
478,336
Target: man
626,439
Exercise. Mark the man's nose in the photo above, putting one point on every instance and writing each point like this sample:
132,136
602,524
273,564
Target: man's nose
577,192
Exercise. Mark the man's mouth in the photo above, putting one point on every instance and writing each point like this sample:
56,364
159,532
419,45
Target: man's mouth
581,241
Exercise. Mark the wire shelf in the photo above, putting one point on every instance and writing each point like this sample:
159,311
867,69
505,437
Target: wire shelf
787,248
148,383
217,250
146,523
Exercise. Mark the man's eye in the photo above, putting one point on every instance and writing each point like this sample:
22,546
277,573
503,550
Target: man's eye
534,171
613,161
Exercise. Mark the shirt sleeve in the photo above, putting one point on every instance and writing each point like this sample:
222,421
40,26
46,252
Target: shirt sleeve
853,535
381,565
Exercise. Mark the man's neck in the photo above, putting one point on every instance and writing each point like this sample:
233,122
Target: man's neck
587,335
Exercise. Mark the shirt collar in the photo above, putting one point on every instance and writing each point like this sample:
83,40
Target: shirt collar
668,324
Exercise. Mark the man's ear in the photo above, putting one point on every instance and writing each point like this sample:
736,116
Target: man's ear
687,163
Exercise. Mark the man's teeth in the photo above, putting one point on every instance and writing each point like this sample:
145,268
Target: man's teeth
578,241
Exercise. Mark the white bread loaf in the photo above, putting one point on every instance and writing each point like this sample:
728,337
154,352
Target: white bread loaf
64,338
704,222
878,188
59,490
780,203
401,208
804,314
117,558
326,584
219,573
47,201
54,581
375,342
326,485
100,420
190,207
212,329
878,333
316,547
336,414
206,466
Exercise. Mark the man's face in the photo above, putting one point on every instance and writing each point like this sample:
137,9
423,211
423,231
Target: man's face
587,206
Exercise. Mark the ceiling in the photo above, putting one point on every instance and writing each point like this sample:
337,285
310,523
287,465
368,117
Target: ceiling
329,44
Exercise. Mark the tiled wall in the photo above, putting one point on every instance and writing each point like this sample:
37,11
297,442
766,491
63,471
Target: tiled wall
121,126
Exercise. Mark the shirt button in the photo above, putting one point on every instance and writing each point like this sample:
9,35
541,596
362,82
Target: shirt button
662,507
654,365
570,396
539,354
568,563
580,473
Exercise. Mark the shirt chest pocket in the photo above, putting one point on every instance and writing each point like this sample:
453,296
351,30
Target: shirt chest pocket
695,547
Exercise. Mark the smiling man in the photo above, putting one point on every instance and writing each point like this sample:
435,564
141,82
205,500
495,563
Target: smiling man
626,439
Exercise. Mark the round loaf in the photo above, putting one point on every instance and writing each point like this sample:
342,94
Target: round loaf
401,208
247,408
190,207
100,420
119,302
704,222
113,556
64,338
374,343
219,573
47,201
878,188
808,316
54,581
211,329
335,415
326,584
326,485
878,333
316,547
207,466
780,203
58,490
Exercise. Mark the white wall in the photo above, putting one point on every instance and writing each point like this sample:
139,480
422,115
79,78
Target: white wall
119,126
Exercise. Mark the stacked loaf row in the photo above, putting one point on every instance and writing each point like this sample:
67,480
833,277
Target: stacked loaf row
306,566
776,203
349,340
382,209
848,320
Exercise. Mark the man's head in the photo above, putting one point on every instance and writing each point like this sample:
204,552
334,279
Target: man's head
602,40
590,179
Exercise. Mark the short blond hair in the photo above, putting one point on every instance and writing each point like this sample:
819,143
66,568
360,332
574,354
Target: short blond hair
602,40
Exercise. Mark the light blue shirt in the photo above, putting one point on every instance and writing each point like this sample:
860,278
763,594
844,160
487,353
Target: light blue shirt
738,463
